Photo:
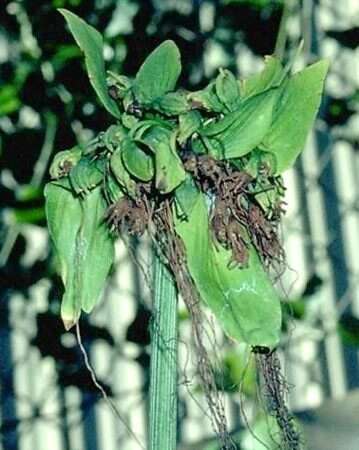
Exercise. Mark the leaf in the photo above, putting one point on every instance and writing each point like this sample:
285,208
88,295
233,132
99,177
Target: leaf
241,131
113,137
186,196
189,123
170,172
158,74
271,76
171,104
120,173
295,115
152,133
64,213
243,299
207,98
91,43
82,244
112,189
86,174
64,161
227,89
137,162
94,250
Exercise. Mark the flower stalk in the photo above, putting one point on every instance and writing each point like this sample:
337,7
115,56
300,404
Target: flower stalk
163,368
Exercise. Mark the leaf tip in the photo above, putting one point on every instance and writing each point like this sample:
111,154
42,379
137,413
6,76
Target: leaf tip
69,318
68,323
64,12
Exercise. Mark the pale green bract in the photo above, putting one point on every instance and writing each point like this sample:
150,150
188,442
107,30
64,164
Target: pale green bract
295,115
169,168
240,131
158,74
243,299
83,246
271,76
91,43
138,163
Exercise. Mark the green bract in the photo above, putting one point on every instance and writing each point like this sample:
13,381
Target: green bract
121,174
159,73
296,111
86,175
242,299
64,161
271,76
227,89
242,130
82,244
138,163
91,43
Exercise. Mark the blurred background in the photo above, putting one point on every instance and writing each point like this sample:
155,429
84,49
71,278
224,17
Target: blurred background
47,397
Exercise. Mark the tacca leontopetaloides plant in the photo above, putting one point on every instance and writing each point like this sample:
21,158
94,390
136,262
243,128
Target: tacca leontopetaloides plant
200,172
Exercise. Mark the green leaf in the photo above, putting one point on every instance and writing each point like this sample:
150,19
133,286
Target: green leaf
159,73
186,196
227,89
295,115
121,174
189,123
170,172
94,250
113,137
64,213
137,162
91,43
82,244
64,161
241,131
207,98
171,104
243,299
271,76
112,189
152,133
87,174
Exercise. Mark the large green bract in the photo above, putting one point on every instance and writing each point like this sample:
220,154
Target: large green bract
91,43
82,244
295,114
259,122
241,131
159,73
242,299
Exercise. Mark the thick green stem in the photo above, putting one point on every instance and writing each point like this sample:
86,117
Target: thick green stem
163,370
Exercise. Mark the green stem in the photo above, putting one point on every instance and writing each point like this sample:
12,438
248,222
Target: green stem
163,370
282,31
